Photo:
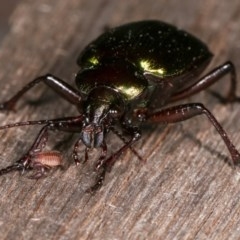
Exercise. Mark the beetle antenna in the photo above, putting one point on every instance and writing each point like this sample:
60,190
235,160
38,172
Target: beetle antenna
26,123
45,121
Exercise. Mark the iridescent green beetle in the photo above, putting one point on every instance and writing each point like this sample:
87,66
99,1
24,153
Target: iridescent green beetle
127,75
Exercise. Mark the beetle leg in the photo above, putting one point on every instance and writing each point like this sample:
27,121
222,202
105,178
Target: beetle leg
100,159
86,154
125,141
75,152
108,163
26,162
186,111
75,156
136,135
103,155
209,79
58,85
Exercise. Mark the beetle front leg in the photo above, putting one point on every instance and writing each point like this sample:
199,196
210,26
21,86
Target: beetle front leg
75,156
35,158
26,162
120,135
58,85
186,111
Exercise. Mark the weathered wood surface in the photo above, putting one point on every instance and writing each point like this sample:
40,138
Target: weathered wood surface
183,191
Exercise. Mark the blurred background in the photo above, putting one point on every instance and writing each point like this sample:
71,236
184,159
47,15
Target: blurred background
6,8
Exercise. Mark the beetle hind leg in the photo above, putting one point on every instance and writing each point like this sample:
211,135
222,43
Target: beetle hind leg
209,79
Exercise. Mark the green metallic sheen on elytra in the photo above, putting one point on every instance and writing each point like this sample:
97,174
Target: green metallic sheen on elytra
151,47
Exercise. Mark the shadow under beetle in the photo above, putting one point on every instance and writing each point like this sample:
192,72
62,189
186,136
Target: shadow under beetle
127,75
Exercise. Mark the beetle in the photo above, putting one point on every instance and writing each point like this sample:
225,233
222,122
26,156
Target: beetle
129,75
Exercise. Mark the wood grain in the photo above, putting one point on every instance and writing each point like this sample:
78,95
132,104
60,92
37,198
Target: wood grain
183,191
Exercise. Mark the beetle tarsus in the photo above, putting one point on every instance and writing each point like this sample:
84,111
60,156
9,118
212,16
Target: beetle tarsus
33,163
15,167
235,160
102,157
99,181
7,106
21,165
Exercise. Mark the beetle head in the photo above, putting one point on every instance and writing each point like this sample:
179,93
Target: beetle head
102,107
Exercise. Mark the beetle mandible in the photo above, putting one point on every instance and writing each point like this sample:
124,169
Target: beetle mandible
128,74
